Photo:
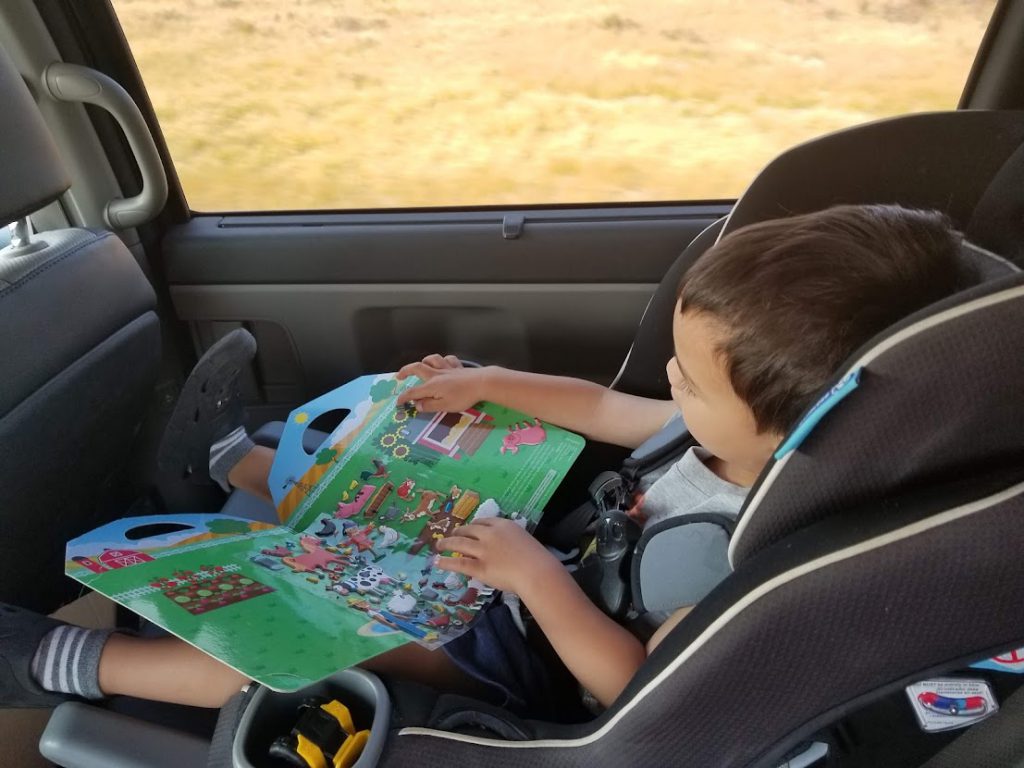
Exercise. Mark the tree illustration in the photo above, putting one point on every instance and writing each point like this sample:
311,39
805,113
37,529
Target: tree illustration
227,526
326,456
382,390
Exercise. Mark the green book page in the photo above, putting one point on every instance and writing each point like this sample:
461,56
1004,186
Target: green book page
351,574
269,624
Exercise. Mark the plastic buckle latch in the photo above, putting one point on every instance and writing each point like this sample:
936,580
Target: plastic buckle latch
608,491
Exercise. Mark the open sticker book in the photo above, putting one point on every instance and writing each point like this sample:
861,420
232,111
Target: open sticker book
350,571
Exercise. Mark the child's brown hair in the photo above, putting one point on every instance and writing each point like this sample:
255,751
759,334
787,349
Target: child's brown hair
797,296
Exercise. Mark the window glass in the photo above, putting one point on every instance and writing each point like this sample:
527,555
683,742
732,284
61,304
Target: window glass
312,104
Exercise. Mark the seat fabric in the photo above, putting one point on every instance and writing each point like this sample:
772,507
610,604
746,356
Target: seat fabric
80,342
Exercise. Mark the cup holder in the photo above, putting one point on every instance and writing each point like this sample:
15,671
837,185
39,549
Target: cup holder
271,714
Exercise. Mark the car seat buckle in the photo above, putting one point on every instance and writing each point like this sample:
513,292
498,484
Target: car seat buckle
608,492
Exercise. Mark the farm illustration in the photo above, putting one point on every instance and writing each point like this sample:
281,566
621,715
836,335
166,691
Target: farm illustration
352,571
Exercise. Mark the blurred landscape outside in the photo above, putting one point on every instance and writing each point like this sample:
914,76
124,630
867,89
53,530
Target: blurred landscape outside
342,104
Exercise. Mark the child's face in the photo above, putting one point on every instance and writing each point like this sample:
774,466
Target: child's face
715,415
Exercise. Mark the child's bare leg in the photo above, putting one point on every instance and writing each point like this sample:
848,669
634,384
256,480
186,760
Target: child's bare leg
166,669
171,670
44,661
251,473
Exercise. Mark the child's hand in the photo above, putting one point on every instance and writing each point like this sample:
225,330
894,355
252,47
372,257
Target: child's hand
499,553
447,386
437,362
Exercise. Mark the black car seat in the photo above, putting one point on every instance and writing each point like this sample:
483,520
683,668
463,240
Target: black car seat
80,344
885,548
947,161
863,514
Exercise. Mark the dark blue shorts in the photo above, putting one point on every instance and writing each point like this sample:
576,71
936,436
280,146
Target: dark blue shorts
494,652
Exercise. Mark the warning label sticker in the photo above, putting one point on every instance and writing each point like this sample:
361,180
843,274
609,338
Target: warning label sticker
955,702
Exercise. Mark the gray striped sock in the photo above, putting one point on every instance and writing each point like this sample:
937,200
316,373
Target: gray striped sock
227,452
68,661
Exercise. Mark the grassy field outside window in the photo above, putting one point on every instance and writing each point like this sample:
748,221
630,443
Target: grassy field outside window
322,104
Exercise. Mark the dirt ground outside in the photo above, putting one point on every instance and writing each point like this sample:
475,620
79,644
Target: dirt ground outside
323,104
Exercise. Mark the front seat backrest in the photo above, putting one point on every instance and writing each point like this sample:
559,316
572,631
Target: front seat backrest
80,344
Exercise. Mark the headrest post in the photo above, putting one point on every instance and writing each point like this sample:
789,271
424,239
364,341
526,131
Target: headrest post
21,233
21,243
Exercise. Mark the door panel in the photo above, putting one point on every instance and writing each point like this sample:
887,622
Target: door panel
332,296
623,245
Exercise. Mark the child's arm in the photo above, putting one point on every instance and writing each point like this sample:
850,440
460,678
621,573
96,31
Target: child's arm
596,412
602,655
668,626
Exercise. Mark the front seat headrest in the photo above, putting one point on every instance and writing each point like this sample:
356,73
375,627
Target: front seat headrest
33,172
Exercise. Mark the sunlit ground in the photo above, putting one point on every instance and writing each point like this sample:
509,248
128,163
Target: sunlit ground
380,103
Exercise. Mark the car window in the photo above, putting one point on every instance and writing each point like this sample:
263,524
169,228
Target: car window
396,103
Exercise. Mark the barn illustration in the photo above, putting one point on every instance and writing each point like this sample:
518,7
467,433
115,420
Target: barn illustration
453,434
423,438
122,558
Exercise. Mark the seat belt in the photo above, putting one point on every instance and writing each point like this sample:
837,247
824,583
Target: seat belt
605,576
665,446
613,490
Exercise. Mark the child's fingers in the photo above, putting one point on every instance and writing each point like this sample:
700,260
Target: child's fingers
438,362
442,363
493,526
412,393
464,565
423,396
424,401
469,531
421,369
461,544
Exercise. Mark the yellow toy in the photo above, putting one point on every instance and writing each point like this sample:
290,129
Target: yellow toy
323,737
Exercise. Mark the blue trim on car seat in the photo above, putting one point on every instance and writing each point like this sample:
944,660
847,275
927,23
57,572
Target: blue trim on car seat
846,385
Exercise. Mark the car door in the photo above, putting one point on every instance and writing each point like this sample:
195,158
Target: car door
362,186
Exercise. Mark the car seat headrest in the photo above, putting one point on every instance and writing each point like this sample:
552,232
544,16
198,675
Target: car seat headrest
998,220
934,400
33,172
939,160
981,265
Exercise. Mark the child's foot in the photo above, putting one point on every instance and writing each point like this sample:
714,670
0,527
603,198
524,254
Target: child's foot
44,662
204,437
